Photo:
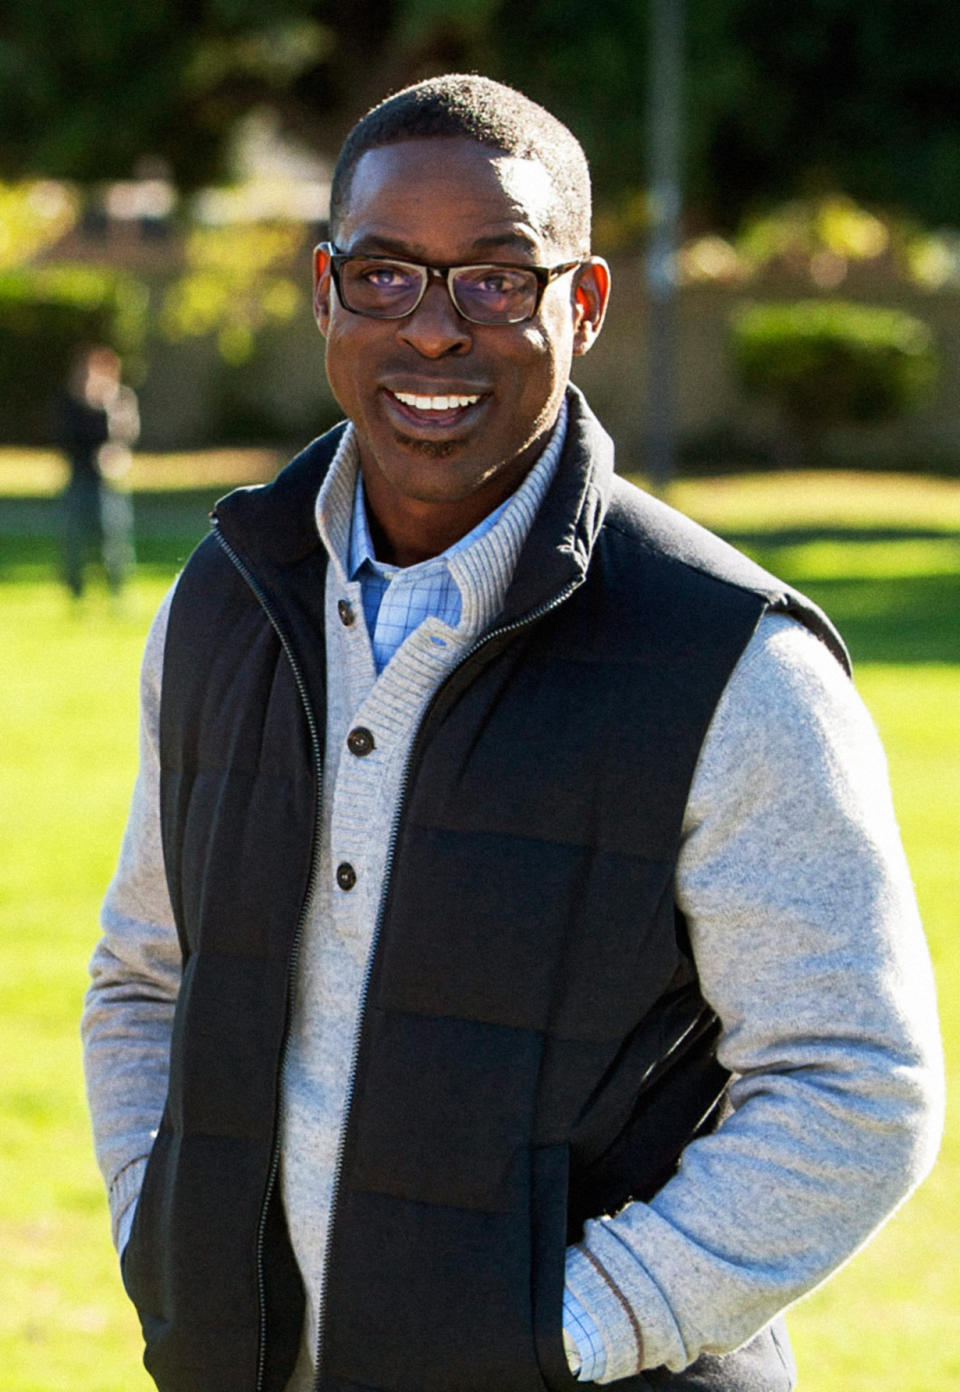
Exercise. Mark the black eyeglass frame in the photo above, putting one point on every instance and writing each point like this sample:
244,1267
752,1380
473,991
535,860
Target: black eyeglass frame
544,276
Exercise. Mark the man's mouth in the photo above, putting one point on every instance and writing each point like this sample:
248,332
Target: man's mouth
433,411
435,403
438,411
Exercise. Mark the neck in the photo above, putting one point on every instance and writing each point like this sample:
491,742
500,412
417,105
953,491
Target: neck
405,530
406,545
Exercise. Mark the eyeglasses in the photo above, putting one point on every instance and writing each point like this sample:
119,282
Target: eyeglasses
381,287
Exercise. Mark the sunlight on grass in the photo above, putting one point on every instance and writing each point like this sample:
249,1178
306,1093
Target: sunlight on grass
820,498
862,560
43,472
68,710
884,1324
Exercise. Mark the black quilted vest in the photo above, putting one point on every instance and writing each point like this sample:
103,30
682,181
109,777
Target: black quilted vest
534,1048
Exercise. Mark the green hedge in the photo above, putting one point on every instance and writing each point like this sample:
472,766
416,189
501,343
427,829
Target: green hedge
46,313
829,362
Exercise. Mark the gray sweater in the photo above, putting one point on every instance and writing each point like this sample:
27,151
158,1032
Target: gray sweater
804,929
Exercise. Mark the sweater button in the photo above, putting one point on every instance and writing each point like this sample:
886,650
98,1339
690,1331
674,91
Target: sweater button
360,741
346,875
346,613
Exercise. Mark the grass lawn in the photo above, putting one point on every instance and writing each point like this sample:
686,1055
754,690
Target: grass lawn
883,555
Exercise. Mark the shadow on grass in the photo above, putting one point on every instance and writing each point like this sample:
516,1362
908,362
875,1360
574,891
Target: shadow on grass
167,527
183,512
893,618
907,619
802,536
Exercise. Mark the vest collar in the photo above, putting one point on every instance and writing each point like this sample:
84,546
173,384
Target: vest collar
562,538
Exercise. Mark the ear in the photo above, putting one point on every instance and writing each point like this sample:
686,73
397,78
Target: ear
590,294
321,287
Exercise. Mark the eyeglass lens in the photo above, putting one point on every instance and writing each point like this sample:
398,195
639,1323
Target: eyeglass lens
487,294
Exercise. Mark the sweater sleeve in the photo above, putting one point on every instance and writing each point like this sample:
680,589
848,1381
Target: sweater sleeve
135,976
809,947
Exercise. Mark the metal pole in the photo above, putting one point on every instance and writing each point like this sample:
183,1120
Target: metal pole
664,107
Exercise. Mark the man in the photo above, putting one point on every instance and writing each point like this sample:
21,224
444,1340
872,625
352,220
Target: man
97,422
539,994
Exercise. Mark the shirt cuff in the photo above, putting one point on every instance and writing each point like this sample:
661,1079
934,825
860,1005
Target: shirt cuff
124,1226
124,1193
616,1321
582,1341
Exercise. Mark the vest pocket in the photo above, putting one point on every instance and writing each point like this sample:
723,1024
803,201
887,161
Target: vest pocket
765,1364
550,1185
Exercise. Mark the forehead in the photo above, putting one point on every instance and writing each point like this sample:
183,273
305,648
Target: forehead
451,191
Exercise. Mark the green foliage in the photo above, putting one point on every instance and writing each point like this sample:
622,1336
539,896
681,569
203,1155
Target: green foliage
34,213
417,22
779,101
86,90
803,228
828,362
46,313
822,239
857,94
275,55
234,286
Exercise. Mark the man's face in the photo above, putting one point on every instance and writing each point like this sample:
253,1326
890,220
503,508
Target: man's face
452,202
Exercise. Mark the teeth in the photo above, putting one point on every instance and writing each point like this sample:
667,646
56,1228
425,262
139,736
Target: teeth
435,403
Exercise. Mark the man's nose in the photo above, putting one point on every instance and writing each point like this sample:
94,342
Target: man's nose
435,328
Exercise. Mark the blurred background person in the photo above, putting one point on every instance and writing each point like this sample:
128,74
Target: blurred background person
98,420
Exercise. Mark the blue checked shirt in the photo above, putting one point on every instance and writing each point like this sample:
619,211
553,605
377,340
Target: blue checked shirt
396,599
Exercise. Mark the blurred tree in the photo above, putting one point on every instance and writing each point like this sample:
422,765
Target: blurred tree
86,90
234,285
862,95
856,94
33,214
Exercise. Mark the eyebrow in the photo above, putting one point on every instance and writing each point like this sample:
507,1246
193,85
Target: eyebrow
376,244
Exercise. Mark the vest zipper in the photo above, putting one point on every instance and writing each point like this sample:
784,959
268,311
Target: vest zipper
504,630
267,608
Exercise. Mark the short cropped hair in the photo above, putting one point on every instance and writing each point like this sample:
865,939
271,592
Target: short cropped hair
465,104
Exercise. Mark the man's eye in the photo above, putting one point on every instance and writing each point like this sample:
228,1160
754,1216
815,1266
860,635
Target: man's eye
499,282
381,277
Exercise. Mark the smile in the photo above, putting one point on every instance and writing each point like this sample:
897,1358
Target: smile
435,403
